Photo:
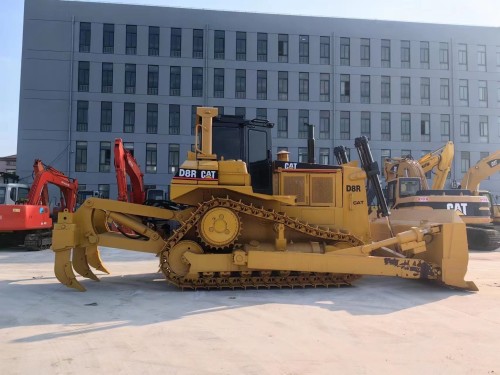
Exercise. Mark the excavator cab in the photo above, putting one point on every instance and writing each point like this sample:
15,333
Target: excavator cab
401,188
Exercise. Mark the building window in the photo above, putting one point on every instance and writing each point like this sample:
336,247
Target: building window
365,89
84,37
83,76
303,155
464,128
261,47
219,44
304,86
240,111
175,42
365,52
324,87
193,118
262,84
443,56
405,54
128,117
197,44
385,88
424,55
304,49
241,46
151,156
81,156
345,125
173,158
385,126
282,123
481,58
405,127
463,92
462,56
483,129
107,78
324,124
324,156
345,88
175,80
425,127
106,116
153,72
103,190
197,82
464,161
152,118
425,91
108,38
405,90
324,50
282,47
174,119
345,51
261,114
483,94
365,124
241,83
385,53
444,91
220,109
129,78
154,41
131,40
105,157
282,85
445,128
303,123
218,83
82,116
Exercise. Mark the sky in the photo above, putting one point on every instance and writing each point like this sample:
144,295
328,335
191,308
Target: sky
461,12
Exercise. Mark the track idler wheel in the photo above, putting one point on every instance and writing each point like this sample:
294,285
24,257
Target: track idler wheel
219,227
176,261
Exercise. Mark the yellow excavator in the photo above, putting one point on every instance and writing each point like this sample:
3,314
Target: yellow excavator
250,222
439,163
483,169
407,187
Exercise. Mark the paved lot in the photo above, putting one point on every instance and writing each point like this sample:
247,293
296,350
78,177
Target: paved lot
134,323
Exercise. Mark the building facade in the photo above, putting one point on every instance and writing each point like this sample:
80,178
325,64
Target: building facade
93,72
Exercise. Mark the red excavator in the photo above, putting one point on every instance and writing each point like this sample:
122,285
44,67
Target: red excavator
126,165
28,221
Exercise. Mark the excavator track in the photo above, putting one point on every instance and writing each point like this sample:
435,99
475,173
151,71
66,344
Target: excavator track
253,278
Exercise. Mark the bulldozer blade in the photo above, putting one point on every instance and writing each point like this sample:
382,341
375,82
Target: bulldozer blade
80,264
94,259
63,270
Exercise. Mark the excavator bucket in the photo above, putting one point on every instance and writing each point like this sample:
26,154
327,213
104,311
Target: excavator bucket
447,247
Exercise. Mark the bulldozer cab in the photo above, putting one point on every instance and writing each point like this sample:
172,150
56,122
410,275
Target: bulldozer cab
249,141
402,187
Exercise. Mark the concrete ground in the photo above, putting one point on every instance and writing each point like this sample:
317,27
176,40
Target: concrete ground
133,322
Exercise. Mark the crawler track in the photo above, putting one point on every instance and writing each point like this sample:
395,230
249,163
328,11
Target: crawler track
252,278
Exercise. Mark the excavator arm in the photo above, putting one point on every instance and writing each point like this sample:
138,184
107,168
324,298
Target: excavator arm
45,175
125,164
439,162
484,168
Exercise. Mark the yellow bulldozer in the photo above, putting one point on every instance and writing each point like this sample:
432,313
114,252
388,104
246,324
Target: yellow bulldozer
250,222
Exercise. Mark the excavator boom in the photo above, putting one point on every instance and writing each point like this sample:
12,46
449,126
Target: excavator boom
484,168
439,162
126,165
